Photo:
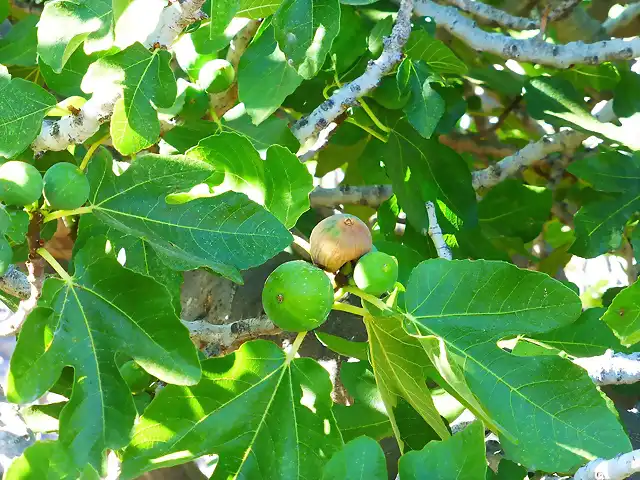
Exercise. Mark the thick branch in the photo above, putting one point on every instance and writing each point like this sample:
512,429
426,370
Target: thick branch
15,283
531,50
618,468
348,94
222,337
612,368
76,128
371,195
435,232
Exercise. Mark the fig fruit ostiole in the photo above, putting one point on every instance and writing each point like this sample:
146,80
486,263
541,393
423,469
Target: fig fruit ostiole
339,239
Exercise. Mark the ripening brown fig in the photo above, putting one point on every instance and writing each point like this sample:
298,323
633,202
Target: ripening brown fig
339,239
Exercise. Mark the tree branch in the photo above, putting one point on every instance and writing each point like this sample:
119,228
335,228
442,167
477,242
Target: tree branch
15,283
435,232
617,468
468,144
76,128
565,140
612,368
508,166
220,338
490,14
627,16
531,50
222,102
562,10
35,266
348,94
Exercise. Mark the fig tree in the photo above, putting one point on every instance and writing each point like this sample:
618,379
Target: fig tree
20,183
376,273
297,296
6,255
339,239
65,186
216,76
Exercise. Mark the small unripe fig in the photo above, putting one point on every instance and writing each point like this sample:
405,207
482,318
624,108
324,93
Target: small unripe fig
376,273
6,255
20,183
297,296
65,186
339,239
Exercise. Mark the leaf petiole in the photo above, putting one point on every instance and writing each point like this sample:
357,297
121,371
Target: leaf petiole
345,307
94,146
66,213
54,264
295,347
370,131
373,116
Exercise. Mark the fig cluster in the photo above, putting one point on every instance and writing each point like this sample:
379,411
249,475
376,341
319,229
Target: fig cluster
298,296
64,185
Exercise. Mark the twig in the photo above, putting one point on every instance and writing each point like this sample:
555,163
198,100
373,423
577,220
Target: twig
563,141
508,166
469,144
531,50
435,232
321,141
222,337
371,195
349,93
76,128
241,41
627,16
490,14
562,10
618,468
493,15
502,118
629,257
35,267
222,102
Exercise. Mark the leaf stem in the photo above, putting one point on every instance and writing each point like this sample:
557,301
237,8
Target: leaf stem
66,213
54,264
366,296
345,307
295,347
370,131
94,146
373,116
